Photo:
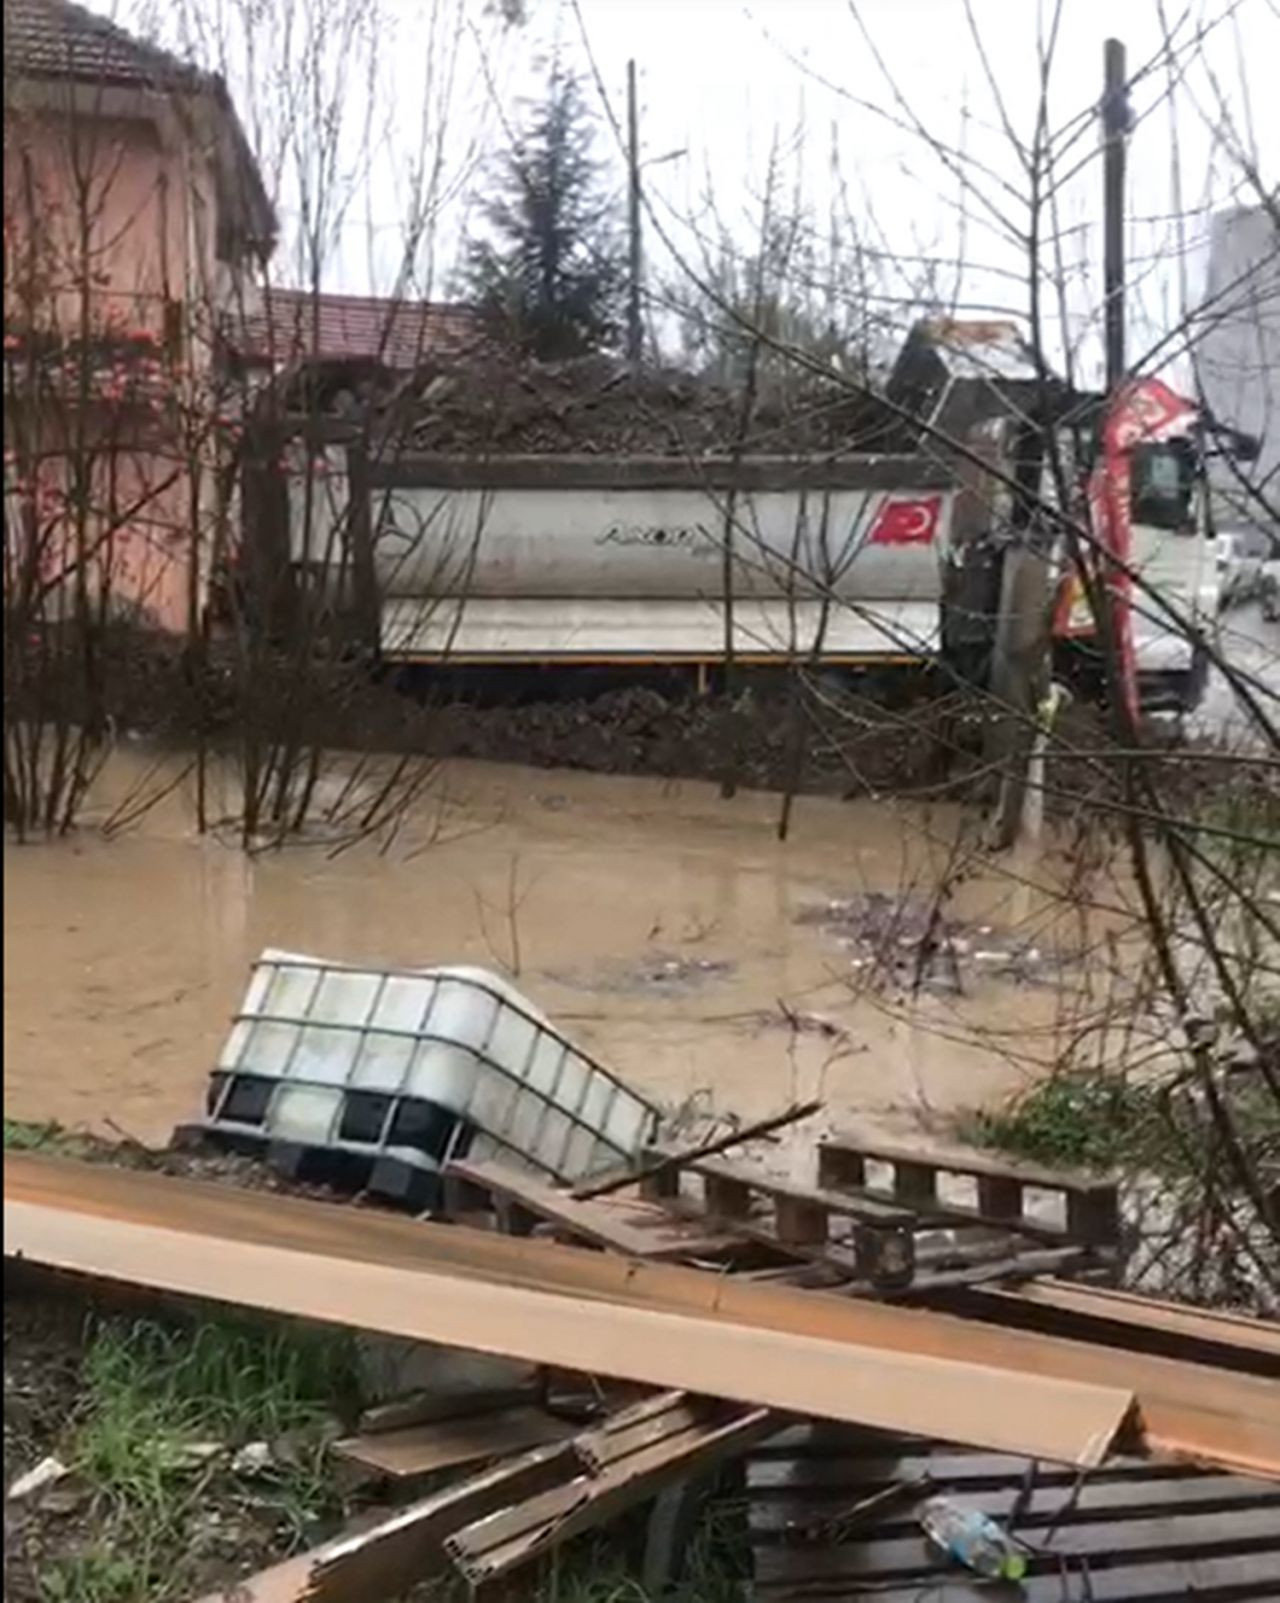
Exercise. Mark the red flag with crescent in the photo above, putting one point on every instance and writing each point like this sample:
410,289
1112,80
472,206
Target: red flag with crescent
907,522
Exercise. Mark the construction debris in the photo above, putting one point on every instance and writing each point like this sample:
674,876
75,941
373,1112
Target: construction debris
416,1450
520,1205
624,1461
714,1287
386,1558
1088,1209
890,1239
1128,1532
593,406
503,1518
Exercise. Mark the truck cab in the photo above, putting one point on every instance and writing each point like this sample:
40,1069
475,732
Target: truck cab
1152,514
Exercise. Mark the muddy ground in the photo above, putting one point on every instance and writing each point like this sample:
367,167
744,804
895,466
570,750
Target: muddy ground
763,736
900,733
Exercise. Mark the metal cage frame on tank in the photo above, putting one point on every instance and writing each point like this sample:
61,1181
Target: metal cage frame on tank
375,1079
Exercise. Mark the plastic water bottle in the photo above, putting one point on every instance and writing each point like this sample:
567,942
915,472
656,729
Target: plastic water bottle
973,1539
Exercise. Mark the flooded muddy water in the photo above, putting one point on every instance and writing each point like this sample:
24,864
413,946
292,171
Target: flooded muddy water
665,928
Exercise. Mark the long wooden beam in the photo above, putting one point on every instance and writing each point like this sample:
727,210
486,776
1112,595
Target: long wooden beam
1044,1418
424,1297
799,1351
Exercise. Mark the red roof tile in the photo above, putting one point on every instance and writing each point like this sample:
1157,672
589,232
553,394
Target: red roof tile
56,38
296,325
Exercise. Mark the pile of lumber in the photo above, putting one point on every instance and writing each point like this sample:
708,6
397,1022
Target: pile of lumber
708,1304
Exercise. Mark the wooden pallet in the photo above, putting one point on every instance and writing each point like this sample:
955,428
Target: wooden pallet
1090,1202
820,1526
872,1240
879,1244
520,1203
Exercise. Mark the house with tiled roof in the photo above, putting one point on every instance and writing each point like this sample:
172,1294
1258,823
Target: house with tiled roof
290,327
135,219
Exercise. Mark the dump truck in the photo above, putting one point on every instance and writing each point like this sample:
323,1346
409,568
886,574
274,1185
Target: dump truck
878,559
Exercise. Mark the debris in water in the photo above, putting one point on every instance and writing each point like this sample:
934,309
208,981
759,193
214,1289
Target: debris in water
909,943
657,971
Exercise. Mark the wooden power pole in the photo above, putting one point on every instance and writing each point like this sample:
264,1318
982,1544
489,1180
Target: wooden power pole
634,333
1115,133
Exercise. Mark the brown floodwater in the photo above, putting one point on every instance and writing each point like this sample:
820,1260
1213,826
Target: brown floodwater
663,927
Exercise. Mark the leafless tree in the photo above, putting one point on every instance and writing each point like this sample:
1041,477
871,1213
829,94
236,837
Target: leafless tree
1183,917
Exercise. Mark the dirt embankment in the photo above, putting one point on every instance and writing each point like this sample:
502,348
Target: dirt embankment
874,735
766,736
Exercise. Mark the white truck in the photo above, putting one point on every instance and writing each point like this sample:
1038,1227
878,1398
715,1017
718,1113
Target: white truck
641,560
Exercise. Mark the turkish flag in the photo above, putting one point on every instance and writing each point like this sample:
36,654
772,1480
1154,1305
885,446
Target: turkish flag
907,522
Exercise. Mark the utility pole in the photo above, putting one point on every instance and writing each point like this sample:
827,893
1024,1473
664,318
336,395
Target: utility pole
1115,133
634,334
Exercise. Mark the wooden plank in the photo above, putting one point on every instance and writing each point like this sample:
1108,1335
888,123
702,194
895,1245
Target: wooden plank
428,1407
878,1259
1243,1578
778,1187
1190,1332
432,1302
888,1261
651,1420
966,1160
1092,1200
1047,1260
67,1215
398,1549
421,1449
935,1212
512,1538
640,1230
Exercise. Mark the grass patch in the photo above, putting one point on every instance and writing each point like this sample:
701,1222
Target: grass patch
1089,1119
1098,1120
163,1411
21,1135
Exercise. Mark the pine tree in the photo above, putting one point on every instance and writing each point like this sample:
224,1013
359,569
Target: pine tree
550,274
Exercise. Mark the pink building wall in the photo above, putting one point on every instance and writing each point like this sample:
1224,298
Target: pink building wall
146,289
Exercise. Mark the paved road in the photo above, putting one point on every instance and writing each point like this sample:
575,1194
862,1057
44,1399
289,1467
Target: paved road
1252,646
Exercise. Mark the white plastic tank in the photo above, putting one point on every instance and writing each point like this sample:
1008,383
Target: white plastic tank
316,1040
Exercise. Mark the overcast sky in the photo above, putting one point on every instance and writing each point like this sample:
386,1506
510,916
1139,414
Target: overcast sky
725,82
